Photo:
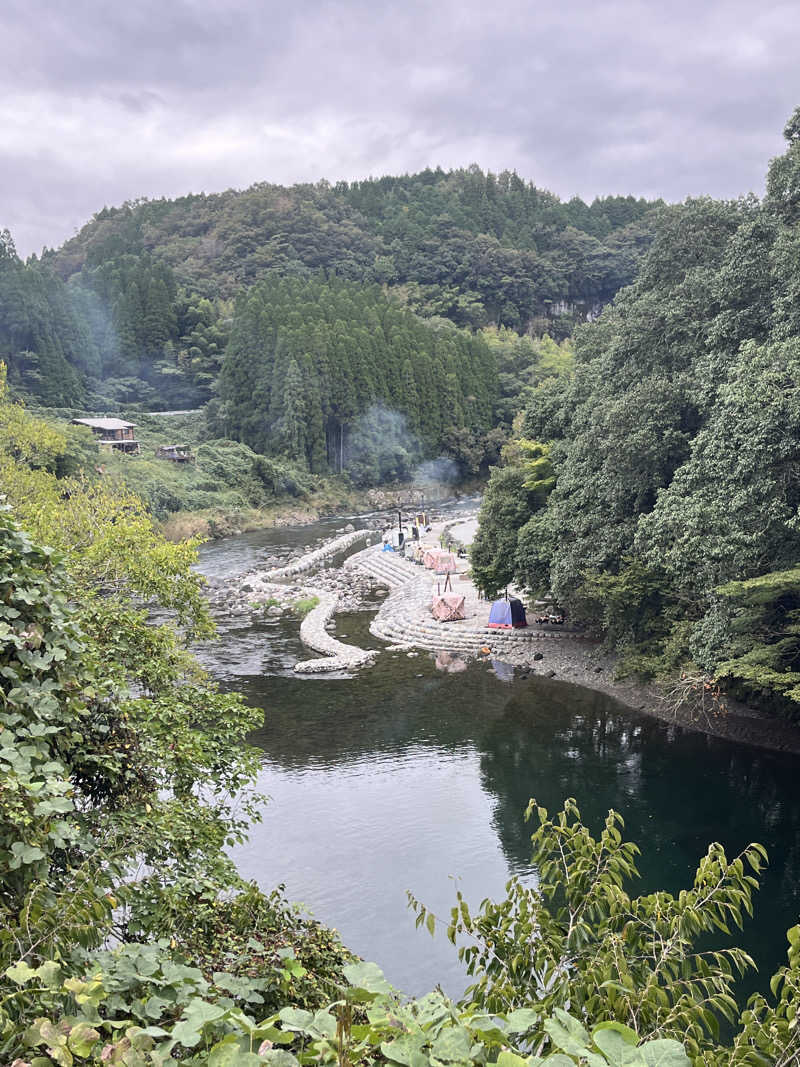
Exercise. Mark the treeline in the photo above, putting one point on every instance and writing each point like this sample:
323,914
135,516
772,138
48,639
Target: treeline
136,308
661,507
44,339
121,333
477,247
318,371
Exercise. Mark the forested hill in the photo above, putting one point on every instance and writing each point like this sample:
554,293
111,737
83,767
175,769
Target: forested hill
657,490
475,247
327,372
137,307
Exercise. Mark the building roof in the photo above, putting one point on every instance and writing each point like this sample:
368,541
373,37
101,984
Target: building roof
104,424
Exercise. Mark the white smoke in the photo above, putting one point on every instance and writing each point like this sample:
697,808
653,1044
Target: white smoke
440,471
382,447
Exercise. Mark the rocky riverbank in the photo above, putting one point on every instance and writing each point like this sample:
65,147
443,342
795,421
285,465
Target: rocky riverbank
312,583
330,499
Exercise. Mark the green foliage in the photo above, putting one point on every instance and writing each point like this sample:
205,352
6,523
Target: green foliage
44,340
136,309
473,246
761,653
337,377
523,363
43,682
25,439
304,606
674,449
633,609
126,780
164,1010
504,510
514,492
578,938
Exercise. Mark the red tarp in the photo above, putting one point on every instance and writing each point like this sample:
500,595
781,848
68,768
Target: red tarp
431,556
447,607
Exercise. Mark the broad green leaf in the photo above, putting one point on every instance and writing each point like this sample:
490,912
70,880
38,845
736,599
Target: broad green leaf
186,1034
229,1053
617,1049
295,1018
82,1039
323,1025
453,1043
50,974
199,1012
664,1052
279,1057
488,1023
568,1034
367,977
522,1019
629,1036
511,1059
405,1049
20,972
154,1007
25,854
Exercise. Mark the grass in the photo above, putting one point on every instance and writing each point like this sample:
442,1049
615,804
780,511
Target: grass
228,490
303,607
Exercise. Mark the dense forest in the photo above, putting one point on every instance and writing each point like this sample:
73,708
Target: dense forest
656,491
128,937
473,246
137,308
319,372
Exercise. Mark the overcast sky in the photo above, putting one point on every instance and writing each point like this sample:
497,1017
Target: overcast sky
102,101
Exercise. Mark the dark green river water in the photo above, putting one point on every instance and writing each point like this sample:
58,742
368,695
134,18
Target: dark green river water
408,778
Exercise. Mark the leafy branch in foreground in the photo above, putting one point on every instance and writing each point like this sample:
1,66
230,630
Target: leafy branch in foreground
174,1016
576,939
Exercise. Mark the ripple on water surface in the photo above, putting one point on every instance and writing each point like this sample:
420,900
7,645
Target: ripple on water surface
360,837
403,776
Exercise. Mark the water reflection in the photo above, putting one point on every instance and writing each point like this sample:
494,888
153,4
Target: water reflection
410,775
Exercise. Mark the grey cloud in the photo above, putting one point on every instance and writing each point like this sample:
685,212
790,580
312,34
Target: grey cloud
584,98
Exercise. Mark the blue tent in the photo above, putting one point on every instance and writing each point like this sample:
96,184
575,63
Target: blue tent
506,614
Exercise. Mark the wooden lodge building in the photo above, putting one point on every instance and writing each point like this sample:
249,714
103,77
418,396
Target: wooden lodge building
113,433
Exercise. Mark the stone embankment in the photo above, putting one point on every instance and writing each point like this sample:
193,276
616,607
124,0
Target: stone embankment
404,618
274,590
338,656
313,559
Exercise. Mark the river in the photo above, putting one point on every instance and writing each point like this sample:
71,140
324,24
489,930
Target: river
408,778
